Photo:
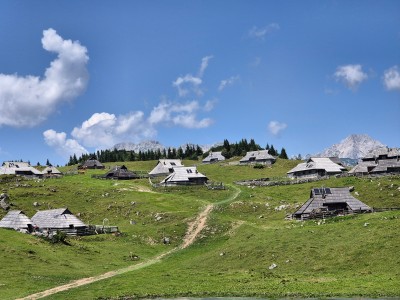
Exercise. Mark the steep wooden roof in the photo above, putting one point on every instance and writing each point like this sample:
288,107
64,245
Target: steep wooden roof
15,219
56,218
184,174
318,163
164,166
120,172
321,196
259,155
214,156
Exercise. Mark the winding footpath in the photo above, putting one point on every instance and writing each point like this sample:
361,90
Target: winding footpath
192,233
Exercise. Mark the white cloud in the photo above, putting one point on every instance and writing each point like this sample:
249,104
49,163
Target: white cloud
209,105
391,78
275,127
104,130
204,65
351,75
188,83
63,146
227,82
179,114
191,84
28,101
260,33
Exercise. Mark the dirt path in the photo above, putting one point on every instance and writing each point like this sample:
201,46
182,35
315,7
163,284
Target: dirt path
192,233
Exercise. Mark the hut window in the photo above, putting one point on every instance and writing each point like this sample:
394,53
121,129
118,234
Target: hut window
71,226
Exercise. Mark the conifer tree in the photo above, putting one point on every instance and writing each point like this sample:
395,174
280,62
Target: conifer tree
283,154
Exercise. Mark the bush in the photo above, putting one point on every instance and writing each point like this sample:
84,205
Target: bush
258,166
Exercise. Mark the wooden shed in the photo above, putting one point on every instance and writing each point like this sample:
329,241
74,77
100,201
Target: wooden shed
59,219
330,202
315,167
185,176
19,168
16,219
165,167
258,157
51,171
120,173
213,157
92,163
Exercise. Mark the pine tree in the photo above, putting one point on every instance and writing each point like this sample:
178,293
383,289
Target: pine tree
283,154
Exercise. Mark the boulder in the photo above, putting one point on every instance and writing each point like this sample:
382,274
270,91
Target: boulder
4,201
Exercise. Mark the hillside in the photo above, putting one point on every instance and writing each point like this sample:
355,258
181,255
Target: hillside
245,234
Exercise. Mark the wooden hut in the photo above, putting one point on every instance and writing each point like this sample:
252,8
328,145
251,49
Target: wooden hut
51,171
59,219
315,167
120,173
258,157
19,168
185,176
330,202
92,163
16,219
378,162
213,157
165,167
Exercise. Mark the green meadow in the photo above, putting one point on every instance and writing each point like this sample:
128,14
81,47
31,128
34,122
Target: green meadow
246,233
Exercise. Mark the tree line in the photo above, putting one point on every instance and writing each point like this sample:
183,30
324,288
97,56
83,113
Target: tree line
193,152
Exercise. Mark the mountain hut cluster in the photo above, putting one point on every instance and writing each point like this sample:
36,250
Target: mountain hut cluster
322,201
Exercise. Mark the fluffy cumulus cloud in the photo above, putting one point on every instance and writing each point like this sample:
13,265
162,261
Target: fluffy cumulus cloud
28,101
275,127
261,33
391,79
63,146
351,75
227,82
184,115
188,84
104,130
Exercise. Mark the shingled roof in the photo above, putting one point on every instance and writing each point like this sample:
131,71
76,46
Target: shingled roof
257,156
120,173
214,157
185,175
92,163
165,167
60,218
18,168
16,219
331,198
318,163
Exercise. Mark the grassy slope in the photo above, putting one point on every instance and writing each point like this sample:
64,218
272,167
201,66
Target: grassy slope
339,257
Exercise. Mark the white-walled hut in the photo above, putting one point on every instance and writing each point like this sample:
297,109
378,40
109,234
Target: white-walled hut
165,167
16,219
185,176
59,219
120,173
213,157
315,167
330,202
19,168
258,157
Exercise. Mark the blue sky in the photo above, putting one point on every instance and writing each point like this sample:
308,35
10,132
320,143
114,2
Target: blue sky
79,76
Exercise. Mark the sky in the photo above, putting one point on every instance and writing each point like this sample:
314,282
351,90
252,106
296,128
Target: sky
81,76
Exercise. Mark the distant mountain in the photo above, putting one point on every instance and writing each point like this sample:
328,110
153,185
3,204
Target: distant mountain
354,146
